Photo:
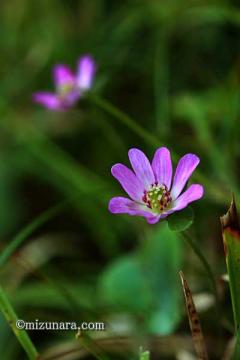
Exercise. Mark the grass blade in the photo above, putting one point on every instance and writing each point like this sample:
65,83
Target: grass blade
91,346
124,119
28,230
21,335
197,250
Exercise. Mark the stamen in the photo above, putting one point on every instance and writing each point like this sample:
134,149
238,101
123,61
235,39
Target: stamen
158,198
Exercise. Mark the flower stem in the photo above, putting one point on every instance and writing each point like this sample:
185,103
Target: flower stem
28,230
11,317
124,119
161,80
91,346
205,264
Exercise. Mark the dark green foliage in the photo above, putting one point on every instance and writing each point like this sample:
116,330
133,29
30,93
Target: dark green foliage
173,66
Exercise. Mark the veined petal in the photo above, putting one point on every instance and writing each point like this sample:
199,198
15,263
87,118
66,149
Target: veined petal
63,76
122,205
48,100
85,73
142,167
162,166
129,181
186,165
193,193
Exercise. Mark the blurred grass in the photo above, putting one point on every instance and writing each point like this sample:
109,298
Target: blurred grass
173,67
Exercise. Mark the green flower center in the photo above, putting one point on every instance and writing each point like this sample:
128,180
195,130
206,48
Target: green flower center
158,198
65,89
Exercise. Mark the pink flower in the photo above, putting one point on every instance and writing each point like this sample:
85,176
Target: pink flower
154,194
69,86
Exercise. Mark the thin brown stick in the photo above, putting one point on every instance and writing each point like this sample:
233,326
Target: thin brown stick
195,326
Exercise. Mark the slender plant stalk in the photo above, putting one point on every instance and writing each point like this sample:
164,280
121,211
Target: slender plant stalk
161,80
124,119
11,317
91,346
196,249
28,230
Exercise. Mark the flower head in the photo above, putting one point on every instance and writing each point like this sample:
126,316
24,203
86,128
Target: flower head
69,86
154,194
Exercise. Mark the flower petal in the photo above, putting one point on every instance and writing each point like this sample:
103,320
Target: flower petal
48,100
129,181
122,205
85,73
162,166
193,193
63,76
186,165
142,167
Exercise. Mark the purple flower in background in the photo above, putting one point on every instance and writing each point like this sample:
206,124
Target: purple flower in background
69,86
154,193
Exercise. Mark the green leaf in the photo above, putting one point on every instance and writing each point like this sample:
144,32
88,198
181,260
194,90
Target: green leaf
147,281
181,220
123,285
161,259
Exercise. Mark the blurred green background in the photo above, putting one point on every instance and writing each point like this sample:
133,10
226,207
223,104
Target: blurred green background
174,66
